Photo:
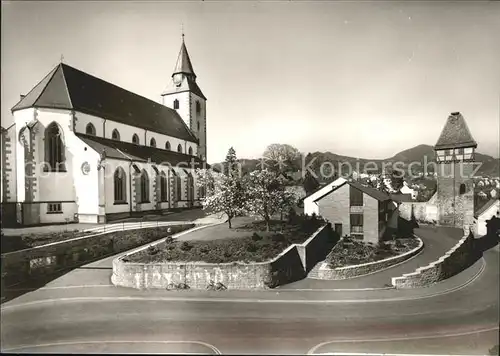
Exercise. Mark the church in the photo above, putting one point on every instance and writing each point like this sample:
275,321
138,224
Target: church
84,150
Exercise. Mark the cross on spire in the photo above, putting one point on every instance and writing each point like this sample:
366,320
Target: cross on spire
62,57
182,31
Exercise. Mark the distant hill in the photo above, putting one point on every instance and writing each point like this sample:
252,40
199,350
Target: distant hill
490,166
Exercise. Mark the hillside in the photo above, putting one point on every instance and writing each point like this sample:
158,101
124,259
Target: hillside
490,166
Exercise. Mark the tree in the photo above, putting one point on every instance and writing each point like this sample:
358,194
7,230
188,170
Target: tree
266,195
381,184
397,181
231,163
310,183
282,157
224,194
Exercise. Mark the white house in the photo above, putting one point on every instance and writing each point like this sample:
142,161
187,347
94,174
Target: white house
310,205
407,190
83,149
487,211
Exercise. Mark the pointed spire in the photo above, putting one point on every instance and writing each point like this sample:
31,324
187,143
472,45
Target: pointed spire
455,133
183,64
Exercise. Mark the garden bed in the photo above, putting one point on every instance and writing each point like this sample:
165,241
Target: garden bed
251,243
349,252
20,242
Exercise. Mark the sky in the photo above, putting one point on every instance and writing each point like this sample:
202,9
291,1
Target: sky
363,79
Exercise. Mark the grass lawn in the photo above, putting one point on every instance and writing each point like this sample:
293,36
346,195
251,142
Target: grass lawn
247,241
350,252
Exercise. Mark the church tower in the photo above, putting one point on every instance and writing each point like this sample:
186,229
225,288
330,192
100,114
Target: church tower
455,166
184,95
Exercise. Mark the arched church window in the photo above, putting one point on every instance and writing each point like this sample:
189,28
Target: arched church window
190,151
190,186
178,188
179,148
54,149
135,139
198,107
198,126
115,135
462,188
90,129
167,146
152,142
120,185
144,198
176,104
163,186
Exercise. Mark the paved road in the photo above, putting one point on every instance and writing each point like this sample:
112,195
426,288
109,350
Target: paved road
437,241
82,312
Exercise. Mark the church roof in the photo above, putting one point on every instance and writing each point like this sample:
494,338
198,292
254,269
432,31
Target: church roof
129,151
455,134
66,87
183,64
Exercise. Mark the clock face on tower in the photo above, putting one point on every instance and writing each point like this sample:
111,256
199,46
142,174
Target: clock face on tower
85,168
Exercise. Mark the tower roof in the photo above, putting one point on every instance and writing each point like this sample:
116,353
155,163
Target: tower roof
183,64
68,88
455,134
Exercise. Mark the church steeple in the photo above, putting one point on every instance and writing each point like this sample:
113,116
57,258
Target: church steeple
183,65
184,96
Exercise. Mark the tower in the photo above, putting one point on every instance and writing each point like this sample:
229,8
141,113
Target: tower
184,96
455,158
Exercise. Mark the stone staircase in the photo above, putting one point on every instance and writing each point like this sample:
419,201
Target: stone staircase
313,273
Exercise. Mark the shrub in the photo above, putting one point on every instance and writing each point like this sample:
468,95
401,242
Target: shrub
204,249
152,250
170,247
186,246
292,215
256,237
278,237
169,240
252,247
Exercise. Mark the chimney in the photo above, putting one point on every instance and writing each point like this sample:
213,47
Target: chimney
455,113
22,96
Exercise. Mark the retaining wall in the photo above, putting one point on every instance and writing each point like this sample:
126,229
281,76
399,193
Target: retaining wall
43,260
325,272
291,265
423,211
458,258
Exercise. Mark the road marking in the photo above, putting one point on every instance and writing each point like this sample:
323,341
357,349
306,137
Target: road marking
313,349
377,354
242,300
212,347
333,289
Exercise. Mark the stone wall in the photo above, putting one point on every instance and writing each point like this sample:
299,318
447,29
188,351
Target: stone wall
458,258
340,273
426,212
291,265
455,208
42,260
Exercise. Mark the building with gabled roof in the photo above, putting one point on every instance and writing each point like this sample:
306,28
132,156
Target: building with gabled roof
489,210
354,209
83,149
